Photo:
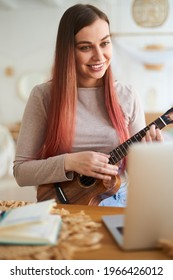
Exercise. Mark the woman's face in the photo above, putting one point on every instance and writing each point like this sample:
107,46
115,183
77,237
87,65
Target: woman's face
93,52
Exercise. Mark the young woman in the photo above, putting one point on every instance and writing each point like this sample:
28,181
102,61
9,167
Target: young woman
72,123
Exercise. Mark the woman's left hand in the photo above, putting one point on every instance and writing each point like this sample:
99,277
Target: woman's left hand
153,134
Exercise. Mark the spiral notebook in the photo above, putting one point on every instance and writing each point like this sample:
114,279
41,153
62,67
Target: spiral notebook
148,215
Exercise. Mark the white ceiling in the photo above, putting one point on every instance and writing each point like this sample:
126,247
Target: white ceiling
17,4
24,4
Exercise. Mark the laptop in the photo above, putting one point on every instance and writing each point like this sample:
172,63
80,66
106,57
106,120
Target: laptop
149,211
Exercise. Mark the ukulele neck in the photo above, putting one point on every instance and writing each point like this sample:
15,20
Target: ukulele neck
121,151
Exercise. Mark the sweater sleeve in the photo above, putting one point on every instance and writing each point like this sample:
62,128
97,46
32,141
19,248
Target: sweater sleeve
28,169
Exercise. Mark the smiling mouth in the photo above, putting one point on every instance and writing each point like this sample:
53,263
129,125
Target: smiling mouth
96,66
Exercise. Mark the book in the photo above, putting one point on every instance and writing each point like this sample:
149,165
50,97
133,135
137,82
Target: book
30,224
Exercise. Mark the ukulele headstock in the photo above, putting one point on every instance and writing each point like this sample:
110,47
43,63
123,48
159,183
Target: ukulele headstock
168,116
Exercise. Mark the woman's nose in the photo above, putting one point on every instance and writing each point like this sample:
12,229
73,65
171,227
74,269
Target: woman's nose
97,54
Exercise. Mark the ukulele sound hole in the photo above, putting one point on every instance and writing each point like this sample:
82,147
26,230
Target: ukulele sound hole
86,182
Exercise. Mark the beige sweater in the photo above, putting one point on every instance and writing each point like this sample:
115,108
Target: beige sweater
93,131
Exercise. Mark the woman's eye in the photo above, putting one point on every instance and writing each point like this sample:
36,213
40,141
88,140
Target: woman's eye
104,44
85,48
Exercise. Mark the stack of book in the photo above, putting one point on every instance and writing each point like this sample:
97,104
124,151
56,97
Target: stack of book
31,224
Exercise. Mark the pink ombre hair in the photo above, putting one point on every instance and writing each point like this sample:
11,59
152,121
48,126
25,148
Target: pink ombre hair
62,109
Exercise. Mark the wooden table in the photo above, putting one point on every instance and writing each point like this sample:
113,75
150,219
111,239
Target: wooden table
109,249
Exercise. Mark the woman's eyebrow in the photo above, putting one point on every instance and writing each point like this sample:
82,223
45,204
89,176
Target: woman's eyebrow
88,42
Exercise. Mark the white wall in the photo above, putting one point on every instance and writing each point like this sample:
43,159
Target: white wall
154,87
27,41
27,45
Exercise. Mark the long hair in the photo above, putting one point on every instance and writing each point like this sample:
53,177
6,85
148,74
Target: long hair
62,109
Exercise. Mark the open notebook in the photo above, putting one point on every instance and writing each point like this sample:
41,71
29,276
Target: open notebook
148,215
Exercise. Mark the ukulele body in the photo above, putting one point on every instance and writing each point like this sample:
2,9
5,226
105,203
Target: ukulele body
76,192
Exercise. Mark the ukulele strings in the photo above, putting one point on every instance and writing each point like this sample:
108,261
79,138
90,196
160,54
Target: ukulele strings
117,154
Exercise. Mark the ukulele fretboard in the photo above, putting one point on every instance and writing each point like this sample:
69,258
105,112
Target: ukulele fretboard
121,151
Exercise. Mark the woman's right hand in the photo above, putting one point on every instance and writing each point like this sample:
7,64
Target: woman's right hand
91,164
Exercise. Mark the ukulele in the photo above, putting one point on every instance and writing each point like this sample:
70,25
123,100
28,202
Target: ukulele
88,190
